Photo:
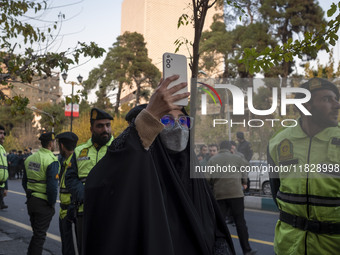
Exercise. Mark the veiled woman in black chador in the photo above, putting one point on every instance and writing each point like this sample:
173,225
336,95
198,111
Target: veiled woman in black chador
139,199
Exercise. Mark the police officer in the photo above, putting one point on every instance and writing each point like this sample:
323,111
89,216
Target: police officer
40,182
3,169
307,191
87,156
67,143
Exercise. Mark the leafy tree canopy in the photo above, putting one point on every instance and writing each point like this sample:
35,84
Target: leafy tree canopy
126,64
23,53
313,40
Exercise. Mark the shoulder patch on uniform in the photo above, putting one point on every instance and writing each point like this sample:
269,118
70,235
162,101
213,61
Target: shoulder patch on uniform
335,141
83,153
285,150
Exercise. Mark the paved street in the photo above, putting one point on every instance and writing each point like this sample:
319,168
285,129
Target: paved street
15,227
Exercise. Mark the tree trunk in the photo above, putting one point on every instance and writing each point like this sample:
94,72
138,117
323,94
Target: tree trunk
120,86
138,84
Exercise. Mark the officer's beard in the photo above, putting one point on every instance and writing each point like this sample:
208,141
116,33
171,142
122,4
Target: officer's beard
101,139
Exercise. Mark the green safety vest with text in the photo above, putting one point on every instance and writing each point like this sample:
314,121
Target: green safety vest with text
64,193
36,166
87,157
309,188
3,167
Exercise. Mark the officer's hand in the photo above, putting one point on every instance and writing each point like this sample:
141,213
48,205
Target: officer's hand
5,192
162,100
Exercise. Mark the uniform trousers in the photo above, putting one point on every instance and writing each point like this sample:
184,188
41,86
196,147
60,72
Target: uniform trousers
80,232
2,195
65,227
237,210
41,214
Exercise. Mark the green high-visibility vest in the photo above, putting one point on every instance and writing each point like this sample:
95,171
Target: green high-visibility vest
64,193
3,167
309,189
36,166
87,157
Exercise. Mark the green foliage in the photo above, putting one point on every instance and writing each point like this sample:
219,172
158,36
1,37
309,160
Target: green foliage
12,142
230,46
199,11
20,133
18,34
126,64
57,111
16,119
317,35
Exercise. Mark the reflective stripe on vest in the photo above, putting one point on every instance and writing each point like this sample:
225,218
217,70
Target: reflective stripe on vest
36,181
303,199
64,191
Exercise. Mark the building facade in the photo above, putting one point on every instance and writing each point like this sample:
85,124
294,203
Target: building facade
157,21
40,90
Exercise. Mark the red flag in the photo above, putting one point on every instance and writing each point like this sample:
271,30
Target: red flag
75,110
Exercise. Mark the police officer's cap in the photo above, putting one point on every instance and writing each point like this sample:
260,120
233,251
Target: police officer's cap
48,136
316,84
67,136
97,114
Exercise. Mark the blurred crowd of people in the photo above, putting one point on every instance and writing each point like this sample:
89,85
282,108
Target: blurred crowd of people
16,161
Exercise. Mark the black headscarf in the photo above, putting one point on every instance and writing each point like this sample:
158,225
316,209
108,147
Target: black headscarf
144,202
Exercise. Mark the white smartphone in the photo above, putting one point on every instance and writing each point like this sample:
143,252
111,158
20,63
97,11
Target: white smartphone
176,64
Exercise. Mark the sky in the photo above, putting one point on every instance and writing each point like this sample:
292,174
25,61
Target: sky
86,21
99,21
